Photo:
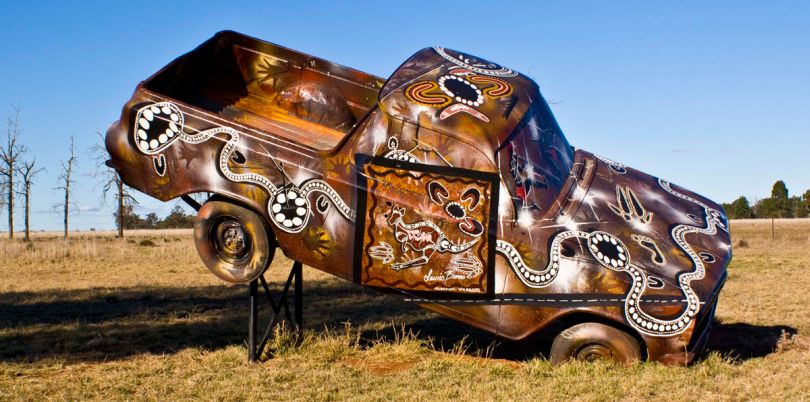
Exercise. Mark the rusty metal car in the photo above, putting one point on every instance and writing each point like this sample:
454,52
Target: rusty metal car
449,183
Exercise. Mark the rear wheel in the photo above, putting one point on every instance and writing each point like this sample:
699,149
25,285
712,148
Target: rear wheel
593,341
233,242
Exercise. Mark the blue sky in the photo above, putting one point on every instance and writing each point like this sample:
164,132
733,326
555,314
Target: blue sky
714,97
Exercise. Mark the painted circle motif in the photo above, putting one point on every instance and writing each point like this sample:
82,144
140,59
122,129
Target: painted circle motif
289,209
608,250
156,127
455,210
461,90
474,64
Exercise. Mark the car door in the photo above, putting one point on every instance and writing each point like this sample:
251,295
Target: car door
425,228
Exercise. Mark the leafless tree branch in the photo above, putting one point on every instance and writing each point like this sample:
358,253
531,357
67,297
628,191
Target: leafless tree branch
10,153
66,178
27,172
111,181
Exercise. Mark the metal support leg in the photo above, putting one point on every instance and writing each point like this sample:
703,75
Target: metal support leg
253,319
279,310
299,299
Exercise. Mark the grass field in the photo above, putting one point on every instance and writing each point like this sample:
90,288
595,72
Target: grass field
141,318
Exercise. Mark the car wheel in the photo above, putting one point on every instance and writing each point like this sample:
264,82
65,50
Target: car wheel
233,242
593,341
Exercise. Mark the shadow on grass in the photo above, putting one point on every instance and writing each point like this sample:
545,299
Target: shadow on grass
104,323
97,324
743,341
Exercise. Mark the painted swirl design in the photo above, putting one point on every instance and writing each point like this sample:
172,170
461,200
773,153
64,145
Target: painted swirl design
426,93
320,186
496,86
531,277
611,253
288,206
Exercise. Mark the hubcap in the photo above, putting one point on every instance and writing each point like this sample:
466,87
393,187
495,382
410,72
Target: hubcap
594,352
230,241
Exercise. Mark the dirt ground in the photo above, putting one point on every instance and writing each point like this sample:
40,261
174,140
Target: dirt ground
141,318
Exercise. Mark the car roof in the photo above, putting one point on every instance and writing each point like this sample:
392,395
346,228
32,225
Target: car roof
460,95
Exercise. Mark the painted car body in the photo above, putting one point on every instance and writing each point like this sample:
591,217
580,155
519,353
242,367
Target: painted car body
449,183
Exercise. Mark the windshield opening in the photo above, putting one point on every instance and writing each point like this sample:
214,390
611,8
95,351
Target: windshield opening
536,160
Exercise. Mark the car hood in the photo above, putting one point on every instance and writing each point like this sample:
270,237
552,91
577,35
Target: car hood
668,231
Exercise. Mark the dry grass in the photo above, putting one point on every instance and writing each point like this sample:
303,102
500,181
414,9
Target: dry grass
104,318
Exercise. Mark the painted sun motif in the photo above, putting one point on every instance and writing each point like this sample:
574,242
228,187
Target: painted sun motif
267,69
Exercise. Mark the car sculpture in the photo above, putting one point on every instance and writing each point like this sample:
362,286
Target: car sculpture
449,183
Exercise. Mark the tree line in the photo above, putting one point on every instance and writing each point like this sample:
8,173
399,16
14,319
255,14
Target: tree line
779,205
177,218
18,172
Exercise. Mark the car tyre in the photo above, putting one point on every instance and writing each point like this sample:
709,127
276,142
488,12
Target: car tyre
593,341
234,242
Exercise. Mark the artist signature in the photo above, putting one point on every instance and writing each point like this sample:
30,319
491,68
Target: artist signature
443,277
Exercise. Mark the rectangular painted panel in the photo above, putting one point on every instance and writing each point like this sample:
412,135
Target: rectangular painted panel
427,228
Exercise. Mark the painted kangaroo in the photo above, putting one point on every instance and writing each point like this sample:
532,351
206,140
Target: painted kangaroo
421,236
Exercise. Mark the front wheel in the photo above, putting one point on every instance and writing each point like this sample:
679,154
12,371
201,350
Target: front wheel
233,241
593,341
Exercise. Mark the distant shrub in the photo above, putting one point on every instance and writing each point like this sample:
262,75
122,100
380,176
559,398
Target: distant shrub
147,243
177,219
742,243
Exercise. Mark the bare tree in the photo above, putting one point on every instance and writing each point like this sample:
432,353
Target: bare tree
110,180
66,178
10,152
27,172
2,196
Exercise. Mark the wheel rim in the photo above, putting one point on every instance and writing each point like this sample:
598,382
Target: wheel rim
230,241
593,352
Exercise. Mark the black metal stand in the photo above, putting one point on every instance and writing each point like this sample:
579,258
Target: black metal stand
277,307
